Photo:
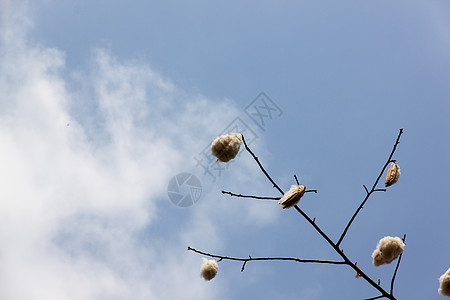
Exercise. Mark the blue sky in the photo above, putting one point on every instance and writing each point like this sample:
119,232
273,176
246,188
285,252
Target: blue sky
103,102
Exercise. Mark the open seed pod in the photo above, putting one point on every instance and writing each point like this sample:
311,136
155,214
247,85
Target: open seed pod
292,197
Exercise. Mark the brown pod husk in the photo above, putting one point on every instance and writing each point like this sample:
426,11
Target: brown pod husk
292,197
392,175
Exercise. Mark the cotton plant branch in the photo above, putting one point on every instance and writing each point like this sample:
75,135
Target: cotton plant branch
346,259
374,189
245,260
383,292
250,196
261,167
335,246
373,298
396,268
259,197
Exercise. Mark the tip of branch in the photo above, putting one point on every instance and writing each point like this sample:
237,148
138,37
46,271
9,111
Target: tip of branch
296,179
311,191
243,266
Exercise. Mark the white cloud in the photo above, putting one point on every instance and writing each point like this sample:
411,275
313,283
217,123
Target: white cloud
83,173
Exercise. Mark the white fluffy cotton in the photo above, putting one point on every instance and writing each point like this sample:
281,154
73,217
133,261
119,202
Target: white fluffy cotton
292,197
444,284
209,268
388,249
226,147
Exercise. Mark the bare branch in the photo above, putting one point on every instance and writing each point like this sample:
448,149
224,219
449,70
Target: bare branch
372,190
251,196
261,167
295,176
243,265
367,191
245,260
373,298
259,197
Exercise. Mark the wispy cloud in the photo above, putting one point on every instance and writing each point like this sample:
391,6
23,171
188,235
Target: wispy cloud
84,170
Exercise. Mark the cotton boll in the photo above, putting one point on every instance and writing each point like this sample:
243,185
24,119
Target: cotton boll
209,269
377,258
391,247
292,197
444,284
226,147
388,249
392,175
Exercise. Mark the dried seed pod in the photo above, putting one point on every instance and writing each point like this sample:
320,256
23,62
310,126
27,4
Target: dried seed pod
226,147
392,175
292,197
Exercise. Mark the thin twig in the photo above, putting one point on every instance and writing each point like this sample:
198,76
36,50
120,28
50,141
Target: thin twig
372,190
250,196
373,298
365,187
261,167
308,191
259,197
311,191
243,265
245,260
295,176
396,268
